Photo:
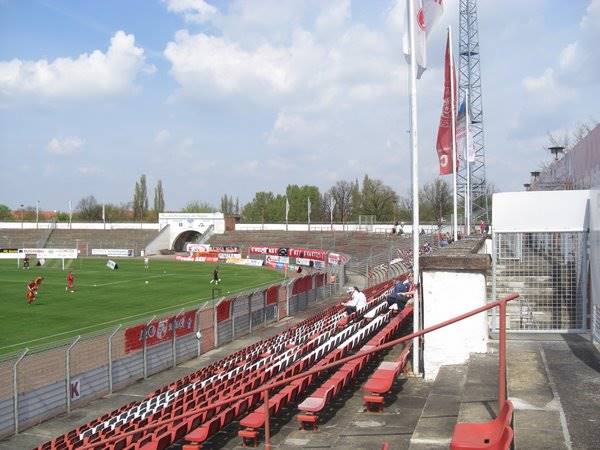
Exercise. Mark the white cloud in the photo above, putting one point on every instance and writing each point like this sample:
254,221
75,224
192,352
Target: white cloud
202,64
195,11
90,170
335,15
578,62
162,137
65,146
88,75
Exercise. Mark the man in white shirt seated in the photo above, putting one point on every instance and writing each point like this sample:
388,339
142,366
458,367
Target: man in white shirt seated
357,302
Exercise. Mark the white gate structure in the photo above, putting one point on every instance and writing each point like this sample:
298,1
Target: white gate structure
540,249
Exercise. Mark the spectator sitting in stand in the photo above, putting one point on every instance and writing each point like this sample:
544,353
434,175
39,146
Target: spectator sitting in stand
356,303
443,241
400,295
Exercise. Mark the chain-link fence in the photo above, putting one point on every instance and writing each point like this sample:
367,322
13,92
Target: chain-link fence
550,272
40,383
595,260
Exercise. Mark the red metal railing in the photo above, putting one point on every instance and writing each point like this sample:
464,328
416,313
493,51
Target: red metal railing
265,389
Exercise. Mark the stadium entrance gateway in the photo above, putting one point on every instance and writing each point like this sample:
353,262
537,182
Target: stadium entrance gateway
177,229
184,238
540,249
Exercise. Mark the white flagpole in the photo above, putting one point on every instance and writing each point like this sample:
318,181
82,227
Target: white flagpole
331,206
70,213
468,163
415,182
453,121
308,211
287,211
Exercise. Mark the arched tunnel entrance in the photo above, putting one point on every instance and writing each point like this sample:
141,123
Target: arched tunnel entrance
185,237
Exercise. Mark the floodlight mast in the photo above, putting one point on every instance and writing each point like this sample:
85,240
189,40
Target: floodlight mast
469,79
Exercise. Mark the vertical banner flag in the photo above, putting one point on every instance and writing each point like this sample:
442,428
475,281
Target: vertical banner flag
462,129
428,13
308,208
103,212
444,137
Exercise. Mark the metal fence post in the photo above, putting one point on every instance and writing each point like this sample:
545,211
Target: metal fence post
16,390
110,375
68,372
250,313
174,338
233,321
494,269
215,325
265,306
198,332
145,348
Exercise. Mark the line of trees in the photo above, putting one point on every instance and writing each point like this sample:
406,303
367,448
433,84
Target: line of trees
346,200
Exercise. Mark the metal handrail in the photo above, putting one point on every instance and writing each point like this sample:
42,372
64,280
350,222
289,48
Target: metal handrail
264,389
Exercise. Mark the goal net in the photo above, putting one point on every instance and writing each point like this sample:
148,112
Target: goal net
365,222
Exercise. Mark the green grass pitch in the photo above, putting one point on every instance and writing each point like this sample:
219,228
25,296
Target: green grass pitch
104,298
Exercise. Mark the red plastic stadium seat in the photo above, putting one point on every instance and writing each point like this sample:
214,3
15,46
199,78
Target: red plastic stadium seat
495,434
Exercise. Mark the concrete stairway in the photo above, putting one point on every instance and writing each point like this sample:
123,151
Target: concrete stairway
460,393
441,410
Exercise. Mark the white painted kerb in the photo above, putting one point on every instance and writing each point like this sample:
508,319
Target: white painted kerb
445,295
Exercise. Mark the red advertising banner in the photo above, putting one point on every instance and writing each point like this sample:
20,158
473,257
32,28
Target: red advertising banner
264,250
159,331
272,294
320,255
444,137
223,310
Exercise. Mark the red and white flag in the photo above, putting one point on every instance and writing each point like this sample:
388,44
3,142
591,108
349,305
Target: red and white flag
444,137
428,13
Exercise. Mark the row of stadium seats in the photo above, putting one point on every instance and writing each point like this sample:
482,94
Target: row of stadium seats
347,373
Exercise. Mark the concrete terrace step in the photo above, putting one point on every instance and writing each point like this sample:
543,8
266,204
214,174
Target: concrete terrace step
479,400
435,426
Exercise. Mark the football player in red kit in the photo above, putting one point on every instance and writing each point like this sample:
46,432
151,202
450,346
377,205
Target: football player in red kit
70,280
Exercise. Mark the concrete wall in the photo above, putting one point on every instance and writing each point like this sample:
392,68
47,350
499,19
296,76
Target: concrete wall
447,294
79,226
376,228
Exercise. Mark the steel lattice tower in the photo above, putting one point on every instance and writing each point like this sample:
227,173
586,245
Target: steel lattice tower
469,77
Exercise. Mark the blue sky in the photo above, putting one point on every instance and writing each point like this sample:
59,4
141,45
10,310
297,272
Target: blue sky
219,97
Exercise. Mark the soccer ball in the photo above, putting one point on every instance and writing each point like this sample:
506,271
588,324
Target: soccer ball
198,335
146,281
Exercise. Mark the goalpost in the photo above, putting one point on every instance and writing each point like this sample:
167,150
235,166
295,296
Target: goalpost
365,222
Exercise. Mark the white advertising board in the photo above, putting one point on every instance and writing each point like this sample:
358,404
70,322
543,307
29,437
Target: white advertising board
277,259
540,211
51,253
113,252
12,255
253,262
191,248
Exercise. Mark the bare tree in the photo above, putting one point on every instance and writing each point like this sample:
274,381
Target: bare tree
341,193
437,200
89,209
